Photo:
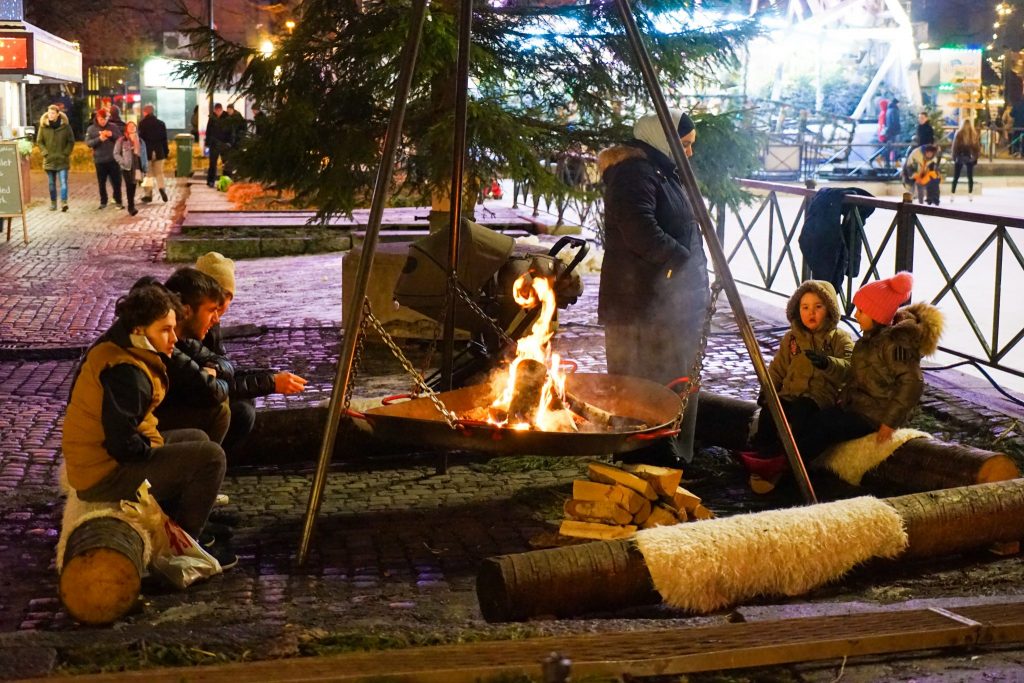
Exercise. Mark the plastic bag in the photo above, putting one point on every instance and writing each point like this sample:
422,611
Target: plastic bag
176,555
148,182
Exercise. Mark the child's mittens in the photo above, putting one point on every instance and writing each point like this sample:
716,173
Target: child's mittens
817,358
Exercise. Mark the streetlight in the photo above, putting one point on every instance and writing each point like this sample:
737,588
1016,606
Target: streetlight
290,25
266,47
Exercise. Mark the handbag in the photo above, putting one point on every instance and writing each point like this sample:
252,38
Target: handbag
148,182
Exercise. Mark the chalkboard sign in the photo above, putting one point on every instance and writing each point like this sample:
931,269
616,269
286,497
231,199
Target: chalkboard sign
10,180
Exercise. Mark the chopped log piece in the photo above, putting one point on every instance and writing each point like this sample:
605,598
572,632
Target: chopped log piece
660,516
606,474
620,495
102,572
701,512
604,532
526,394
684,500
601,511
663,479
641,515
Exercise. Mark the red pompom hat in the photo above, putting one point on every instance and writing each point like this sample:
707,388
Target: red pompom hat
881,299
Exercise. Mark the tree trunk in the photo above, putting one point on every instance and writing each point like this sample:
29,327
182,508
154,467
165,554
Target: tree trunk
918,465
102,570
609,575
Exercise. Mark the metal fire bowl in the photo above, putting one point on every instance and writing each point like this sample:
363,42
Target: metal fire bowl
417,422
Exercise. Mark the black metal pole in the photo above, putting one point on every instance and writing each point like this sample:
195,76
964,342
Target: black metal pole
715,248
458,163
355,311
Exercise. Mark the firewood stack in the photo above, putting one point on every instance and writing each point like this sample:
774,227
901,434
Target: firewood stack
614,502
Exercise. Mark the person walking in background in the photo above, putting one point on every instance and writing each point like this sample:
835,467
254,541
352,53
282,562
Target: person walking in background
237,127
259,120
218,140
925,132
130,152
153,132
101,137
654,294
966,151
1017,132
893,131
56,141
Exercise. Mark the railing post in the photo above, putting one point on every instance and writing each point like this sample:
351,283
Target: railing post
905,233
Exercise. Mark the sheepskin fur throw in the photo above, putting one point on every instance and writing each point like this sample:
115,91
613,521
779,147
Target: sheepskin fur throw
703,566
78,512
851,460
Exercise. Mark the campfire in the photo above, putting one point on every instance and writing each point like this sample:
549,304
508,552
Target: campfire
530,392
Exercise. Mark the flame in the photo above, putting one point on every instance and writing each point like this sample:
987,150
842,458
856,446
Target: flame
534,356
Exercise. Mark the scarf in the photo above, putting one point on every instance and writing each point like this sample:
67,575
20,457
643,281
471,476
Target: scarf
648,129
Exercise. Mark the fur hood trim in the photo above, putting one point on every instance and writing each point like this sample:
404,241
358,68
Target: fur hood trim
826,292
922,321
64,120
616,155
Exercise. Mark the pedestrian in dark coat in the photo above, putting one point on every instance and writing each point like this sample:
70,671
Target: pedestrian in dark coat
153,131
654,282
100,137
218,140
966,151
925,132
893,130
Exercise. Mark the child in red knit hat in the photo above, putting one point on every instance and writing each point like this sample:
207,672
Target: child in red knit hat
885,380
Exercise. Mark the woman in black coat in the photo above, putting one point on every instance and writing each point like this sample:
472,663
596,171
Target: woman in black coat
654,282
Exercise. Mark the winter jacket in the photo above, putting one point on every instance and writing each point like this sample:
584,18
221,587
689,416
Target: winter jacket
154,132
56,143
102,150
925,134
190,385
218,132
655,270
125,155
829,241
915,164
964,152
246,383
893,125
883,108
110,413
792,374
885,381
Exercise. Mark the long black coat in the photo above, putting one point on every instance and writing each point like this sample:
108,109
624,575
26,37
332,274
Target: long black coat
655,270
153,132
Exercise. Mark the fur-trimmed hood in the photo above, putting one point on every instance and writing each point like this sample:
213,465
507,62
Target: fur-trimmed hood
616,154
921,325
64,120
826,292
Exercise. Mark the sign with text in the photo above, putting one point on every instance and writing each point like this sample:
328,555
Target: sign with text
10,180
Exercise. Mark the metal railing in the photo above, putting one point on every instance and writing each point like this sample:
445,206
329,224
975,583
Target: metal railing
964,262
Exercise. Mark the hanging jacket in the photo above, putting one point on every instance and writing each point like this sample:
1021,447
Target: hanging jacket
829,240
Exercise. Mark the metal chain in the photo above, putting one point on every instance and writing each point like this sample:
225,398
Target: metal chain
449,417
467,299
357,357
698,362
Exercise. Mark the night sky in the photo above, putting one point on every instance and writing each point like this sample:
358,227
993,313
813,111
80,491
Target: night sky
969,22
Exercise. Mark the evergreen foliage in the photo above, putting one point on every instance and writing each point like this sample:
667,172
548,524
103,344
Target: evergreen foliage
544,79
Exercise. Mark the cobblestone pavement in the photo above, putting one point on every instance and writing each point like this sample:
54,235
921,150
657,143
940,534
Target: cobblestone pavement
397,543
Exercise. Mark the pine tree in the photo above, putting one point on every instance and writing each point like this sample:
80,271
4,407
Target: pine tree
544,79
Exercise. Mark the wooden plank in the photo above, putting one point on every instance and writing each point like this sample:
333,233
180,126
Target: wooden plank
663,479
602,511
606,474
620,495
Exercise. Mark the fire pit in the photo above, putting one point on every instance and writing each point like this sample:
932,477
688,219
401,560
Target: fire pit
533,405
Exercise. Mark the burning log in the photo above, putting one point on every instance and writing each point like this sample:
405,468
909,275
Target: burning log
918,465
528,391
602,576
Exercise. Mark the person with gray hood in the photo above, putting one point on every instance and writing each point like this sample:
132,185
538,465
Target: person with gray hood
654,296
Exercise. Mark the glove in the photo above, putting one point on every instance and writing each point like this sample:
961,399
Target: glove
817,359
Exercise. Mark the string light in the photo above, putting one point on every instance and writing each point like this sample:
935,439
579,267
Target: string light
1003,9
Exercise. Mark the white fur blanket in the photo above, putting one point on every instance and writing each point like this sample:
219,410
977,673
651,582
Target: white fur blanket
851,460
703,566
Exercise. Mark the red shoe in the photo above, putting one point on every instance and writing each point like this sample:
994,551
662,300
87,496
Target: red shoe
765,468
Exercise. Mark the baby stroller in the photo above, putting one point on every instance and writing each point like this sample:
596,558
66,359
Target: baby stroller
489,264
